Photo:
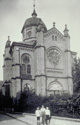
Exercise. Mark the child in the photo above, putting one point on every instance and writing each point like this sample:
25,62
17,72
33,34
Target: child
37,113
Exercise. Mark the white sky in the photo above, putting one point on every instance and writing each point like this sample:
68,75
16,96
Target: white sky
13,14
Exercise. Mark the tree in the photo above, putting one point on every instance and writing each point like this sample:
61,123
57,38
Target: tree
76,74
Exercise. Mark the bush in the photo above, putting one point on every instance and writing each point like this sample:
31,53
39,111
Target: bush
29,101
59,105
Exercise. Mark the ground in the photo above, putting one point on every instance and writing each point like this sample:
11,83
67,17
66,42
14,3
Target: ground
28,119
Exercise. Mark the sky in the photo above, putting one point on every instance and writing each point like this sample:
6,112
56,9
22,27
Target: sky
13,14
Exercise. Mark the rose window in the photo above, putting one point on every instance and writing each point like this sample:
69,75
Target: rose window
54,56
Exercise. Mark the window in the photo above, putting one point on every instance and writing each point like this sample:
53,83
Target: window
26,66
26,59
55,38
23,69
29,34
28,69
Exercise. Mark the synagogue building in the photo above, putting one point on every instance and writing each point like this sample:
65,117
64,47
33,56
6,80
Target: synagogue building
42,62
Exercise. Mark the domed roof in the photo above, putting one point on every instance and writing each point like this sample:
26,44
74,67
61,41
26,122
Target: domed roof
33,21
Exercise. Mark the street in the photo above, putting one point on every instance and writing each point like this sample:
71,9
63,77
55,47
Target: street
27,119
6,120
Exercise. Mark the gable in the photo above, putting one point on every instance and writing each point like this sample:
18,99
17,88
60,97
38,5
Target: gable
54,31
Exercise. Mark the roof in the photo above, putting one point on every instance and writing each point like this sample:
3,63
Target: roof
33,21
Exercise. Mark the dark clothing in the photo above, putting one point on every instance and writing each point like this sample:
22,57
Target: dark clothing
38,118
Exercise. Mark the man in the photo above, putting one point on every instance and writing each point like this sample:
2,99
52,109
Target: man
37,113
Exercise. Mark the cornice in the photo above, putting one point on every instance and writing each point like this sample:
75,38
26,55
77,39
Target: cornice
7,58
68,51
40,75
7,81
68,77
17,64
14,78
21,45
27,49
39,46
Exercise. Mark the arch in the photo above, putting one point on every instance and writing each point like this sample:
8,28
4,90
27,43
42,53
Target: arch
25,58
54,47
55,87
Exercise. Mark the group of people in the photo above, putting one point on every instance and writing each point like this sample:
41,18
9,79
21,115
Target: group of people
43,115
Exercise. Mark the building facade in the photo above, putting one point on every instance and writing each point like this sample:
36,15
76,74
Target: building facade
42,62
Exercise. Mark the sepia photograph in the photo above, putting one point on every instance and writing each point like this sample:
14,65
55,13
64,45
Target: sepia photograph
39,62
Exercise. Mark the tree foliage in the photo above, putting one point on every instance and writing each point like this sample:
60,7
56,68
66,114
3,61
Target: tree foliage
76,74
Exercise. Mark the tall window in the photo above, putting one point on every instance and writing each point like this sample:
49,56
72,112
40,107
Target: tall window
28,69
26,66
55,38
23,69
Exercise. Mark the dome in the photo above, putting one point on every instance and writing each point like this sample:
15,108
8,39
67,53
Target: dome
33,21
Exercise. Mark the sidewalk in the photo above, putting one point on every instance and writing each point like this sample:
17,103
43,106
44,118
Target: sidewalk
24,117
30,119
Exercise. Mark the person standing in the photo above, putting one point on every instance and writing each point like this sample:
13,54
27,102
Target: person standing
48,114
43,114
37,113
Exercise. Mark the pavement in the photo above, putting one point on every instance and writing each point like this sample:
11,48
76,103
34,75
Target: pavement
30,119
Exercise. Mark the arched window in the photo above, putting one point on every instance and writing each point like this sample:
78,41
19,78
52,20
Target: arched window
26,66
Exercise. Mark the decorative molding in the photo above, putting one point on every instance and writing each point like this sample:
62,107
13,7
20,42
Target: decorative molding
55,69
67,51
60,77
40,75
7,58
29,79
27,49
7,81
17,64
40,46
18,77
49,71
54,31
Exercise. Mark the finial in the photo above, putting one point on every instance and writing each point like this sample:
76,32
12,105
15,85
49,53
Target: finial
34,5
34,12
8,42
8,38
53,24
66,26
66,31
